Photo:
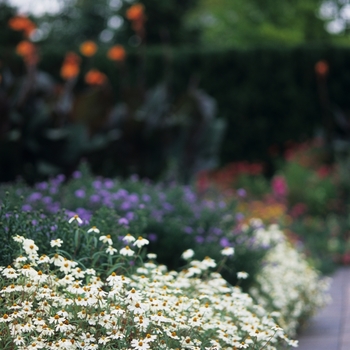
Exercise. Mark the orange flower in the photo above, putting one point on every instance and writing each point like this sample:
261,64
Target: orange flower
27,50
22,23
95,77
71,66
88,48
136,15
135,12
116,53
321,68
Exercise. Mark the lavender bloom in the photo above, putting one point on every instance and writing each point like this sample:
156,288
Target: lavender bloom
130,216
190,196
224,242
80,193
241,192
146,198
84,214
239,216
109,183
34,197
77,174
97,184
126,206
222,205
199,239
152,237
133,198
216,231
168,207
95,198
54,207
53,190
188,230
41,186
123,221
26,207
47,200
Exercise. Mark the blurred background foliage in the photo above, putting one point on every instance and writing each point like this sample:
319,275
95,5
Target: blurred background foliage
201,83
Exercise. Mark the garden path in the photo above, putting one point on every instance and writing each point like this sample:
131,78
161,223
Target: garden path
330,328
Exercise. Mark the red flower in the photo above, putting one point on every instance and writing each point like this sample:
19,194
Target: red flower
322,68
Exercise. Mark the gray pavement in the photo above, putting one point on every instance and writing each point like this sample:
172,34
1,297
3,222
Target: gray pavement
330,328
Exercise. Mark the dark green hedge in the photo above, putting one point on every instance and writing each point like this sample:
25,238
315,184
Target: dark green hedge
267,95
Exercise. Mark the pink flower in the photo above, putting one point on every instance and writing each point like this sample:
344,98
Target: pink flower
279,186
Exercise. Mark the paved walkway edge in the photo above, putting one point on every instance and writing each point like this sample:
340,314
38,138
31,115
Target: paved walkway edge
330,328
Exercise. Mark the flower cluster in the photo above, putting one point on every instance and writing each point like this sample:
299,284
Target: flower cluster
287,284
48,302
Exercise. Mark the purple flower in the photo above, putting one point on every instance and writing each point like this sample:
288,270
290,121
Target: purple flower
241,192
53,190
123,221
217,231
53,207
95,198
146,198
26,207
125,206
108,183
222,204
239,216
41,186
76,174
152,237
133,198
80,193
168,207
224,242
97,184
34,196
188,230
47,200
129,216
199,239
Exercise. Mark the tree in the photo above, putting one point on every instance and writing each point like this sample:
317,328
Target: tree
254,22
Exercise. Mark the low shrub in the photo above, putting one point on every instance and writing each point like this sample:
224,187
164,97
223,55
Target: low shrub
48,301
172,217
286,283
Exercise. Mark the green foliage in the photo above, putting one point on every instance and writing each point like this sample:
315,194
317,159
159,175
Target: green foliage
322,240
246,23
317,193
174,218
